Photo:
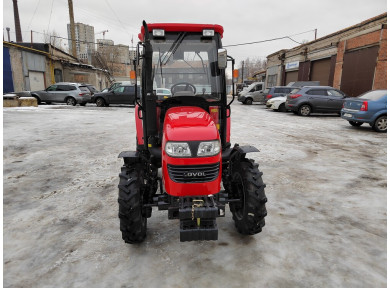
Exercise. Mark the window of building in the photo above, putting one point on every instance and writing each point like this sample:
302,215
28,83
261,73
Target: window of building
271,82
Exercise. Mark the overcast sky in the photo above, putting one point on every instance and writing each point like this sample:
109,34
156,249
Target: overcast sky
243,20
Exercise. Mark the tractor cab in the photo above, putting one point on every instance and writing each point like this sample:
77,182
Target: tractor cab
183,144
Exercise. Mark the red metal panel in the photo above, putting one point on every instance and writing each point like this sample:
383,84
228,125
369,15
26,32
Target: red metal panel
179,27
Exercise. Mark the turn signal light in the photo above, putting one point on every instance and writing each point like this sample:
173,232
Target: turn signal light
294,96
364,106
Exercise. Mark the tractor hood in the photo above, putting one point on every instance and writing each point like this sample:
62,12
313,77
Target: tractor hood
189,123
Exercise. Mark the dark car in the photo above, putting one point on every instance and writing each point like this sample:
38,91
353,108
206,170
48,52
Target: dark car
122,94
273,92
370,107
315,99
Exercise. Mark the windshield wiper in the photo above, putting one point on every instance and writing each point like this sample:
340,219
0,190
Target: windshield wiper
174,47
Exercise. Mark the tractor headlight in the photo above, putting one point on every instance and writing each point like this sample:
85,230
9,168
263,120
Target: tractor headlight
178,149
209,148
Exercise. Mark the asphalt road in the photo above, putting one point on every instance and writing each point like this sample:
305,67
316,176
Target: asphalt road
326,188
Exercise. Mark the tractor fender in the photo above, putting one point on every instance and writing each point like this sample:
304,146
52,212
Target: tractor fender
130,157
241,150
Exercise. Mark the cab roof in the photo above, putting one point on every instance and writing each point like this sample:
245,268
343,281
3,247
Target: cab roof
181,27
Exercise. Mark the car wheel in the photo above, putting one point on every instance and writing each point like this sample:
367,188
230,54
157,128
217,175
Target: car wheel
282,108
248,101
380,124
304,110
38,100
355,123
100,102
70,101
83,104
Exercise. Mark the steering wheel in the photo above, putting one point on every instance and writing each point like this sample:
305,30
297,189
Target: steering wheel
186,84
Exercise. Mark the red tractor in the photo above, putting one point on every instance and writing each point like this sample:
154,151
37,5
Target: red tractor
182,121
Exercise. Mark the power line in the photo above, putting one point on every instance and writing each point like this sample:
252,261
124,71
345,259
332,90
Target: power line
269,40
35,11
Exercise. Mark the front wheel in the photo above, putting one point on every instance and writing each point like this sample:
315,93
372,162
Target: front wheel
282,108
380,124
100,102
132,218
247,186
248,101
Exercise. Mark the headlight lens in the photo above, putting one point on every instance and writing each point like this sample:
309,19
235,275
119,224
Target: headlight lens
209,148
178,149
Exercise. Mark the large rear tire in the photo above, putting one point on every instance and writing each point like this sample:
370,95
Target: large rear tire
133,222
247,185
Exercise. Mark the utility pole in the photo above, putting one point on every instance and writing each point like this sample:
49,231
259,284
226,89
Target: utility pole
72,29
17,22
242,72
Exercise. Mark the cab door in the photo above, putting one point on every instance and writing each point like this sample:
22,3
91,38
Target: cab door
117,96
256,94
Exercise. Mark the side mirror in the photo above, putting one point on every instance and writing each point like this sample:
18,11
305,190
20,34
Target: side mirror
222,58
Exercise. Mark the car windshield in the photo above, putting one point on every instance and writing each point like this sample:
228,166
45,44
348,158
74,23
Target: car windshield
186,63
373,95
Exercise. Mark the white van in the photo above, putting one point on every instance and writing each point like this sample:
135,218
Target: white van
252,92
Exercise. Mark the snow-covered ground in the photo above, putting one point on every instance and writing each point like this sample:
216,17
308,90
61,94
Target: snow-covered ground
326,189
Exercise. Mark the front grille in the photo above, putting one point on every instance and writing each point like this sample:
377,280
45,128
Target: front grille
193,173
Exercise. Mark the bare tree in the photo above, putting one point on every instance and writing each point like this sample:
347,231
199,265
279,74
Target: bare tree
54,39
253,65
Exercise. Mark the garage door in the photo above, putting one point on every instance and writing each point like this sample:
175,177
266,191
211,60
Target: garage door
37,81
291,76
320,70
358,71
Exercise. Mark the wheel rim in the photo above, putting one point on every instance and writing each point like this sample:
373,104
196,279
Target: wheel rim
70,101
305,110
382,124
99,102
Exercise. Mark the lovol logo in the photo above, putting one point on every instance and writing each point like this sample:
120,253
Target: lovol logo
194,174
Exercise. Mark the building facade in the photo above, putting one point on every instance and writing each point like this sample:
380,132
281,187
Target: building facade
85,41
353,60
34,68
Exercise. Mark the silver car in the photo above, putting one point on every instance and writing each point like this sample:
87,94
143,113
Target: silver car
64,92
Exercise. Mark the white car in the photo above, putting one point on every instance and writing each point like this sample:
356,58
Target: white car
277,104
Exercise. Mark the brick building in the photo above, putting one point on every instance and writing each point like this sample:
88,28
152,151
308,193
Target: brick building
353,59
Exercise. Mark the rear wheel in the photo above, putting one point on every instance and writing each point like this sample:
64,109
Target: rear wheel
304,110
355,123
133,222
380,124
247,185
71,101
248,101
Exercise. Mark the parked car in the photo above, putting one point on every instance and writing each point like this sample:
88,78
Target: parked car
116,84
91,88
370,107
122,94
277,104
163,93
276,91
252,93
64,92
315,99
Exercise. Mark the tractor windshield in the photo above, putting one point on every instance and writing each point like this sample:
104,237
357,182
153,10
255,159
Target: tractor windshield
187,64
